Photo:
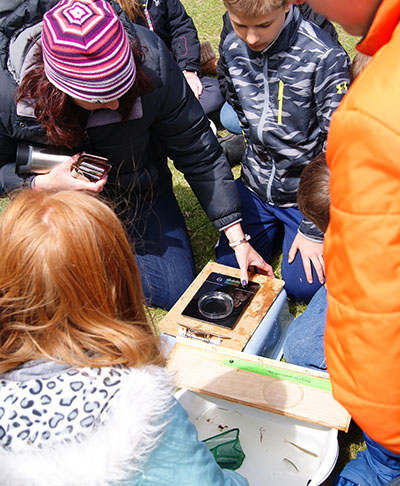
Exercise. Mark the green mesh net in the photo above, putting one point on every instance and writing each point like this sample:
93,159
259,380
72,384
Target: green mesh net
226,449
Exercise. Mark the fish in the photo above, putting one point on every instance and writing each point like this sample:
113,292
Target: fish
302,448
288,461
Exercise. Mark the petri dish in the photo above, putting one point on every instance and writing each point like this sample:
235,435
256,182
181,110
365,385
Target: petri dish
215,305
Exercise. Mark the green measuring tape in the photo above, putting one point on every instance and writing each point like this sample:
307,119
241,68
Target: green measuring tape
281,374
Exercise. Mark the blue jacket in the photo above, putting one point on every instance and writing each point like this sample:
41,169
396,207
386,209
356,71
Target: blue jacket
284,97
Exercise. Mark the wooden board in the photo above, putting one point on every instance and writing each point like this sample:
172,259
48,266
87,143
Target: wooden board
202,368
238,337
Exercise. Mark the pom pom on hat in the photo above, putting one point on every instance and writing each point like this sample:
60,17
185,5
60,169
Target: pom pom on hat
86,51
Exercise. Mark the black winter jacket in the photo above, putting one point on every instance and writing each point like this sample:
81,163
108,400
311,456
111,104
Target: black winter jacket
168,121
171,22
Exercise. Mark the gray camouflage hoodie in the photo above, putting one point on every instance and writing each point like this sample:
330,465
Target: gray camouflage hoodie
284,97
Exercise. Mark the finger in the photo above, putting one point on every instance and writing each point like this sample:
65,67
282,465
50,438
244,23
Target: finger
68,163
244,278
307,270
318,269
292,252
264,269
322,262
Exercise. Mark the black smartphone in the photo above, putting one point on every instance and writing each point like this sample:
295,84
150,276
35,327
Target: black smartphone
91,166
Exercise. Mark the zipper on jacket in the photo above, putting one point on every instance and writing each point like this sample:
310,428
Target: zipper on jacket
264,113
269,186
280,102
260,128
148,16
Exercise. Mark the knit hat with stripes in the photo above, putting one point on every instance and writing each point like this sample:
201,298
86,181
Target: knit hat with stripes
86,51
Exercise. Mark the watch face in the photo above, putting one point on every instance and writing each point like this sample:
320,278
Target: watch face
221,300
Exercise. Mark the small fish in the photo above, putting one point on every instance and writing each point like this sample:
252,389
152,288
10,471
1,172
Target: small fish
301,448
288,461
262,430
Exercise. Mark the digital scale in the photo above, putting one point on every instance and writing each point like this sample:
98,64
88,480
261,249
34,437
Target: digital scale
226,342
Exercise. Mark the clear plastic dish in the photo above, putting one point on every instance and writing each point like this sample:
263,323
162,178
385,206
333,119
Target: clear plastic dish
215,305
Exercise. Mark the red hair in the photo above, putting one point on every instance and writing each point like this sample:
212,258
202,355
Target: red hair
70,290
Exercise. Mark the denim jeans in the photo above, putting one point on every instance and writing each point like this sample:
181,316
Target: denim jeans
162,250
376,466
264,223
229,119
304,343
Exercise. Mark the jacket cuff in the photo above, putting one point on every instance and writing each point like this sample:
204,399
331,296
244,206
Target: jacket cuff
310,231
28,182
223,223
230,224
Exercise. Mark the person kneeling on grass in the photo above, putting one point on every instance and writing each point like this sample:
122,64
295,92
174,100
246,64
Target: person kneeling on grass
82,77
285,77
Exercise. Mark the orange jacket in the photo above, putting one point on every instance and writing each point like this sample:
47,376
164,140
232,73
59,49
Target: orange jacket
362,253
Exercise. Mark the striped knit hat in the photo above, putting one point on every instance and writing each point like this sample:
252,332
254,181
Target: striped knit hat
86,51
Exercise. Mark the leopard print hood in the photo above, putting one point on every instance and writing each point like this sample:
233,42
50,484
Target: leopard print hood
75,427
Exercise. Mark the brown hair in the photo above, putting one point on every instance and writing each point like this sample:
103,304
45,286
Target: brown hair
62,119
70,290
132,8
313,193
359,62
254,8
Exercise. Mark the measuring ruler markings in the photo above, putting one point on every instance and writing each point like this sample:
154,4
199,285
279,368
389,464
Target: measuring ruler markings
281,374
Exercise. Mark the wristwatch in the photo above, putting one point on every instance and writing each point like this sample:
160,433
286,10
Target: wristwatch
239,242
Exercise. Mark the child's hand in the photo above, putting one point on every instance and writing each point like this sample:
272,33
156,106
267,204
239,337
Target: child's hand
311,252
194,83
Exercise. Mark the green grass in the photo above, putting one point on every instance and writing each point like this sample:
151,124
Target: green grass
3,203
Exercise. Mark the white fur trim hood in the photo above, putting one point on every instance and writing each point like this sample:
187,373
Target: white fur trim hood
112,451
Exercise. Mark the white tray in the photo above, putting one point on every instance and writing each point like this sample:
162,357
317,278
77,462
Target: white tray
267,440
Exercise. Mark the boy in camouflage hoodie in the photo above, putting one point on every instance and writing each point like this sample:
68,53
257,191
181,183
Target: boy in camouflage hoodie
285,77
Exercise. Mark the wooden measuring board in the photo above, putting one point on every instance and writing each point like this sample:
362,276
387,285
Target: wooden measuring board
237,337
257,382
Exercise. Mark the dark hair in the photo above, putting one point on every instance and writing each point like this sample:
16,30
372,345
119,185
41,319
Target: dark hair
62,119
313,193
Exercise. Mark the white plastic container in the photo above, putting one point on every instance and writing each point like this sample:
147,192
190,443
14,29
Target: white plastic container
280,451
269,337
